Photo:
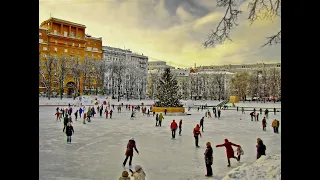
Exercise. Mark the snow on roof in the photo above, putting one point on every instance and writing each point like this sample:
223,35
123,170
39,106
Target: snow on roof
213,72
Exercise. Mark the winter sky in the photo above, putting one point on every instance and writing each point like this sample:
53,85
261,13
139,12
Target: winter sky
169,30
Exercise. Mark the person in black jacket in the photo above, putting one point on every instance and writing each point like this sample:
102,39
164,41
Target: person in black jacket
261,149
201,123
65,122
69,132
208,159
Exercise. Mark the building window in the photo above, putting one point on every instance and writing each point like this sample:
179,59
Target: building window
40,34
44,55
55,32
65,50
72,51
66,43
72,34
78,52
44,48
40,40
65,34
55,49
79,45
72,44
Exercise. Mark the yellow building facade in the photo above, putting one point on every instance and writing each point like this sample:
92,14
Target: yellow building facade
61,37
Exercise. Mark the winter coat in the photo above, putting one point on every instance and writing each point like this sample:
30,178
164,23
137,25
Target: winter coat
196,131
110,112
157,117
174,125
131,145
180,124
80,111
229,149
208,155
65,121
124,178
88,114
264,122
274,123
278,123
261,149
160,117
201,121
69,130
85,115
139,175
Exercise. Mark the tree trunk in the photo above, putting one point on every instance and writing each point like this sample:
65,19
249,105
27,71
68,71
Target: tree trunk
61,91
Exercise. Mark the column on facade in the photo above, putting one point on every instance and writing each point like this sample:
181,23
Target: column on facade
61,29
69,30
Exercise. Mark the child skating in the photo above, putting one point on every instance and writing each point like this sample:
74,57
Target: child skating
69,132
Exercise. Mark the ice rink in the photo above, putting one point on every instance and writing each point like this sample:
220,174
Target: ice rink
97,149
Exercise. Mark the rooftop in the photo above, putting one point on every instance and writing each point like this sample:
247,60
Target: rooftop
62,21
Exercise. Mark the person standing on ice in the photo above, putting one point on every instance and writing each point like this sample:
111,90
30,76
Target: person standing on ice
100,110
208,159
239,152
174,127
264,124
165,111
251,114
69,132
219,113
65,122
196,133
160,119
260,111
257,116
111,113
229,150
84,118
201,123
80,112
107,112
58,115
242,110
89,114
157,119
62,111
76,115
266,112
180,127
129,152
261,148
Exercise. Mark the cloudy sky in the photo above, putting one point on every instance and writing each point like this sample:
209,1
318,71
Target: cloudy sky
169,30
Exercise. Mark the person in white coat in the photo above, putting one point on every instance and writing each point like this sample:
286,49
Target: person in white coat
139,174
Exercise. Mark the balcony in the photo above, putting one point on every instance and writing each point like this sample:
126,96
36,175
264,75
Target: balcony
68,37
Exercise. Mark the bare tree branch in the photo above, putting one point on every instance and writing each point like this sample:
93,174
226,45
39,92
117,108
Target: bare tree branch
272,40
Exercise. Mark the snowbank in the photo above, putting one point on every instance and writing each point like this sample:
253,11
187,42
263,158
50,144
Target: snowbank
267,167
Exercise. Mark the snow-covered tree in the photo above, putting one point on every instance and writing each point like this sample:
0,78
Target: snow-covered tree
60,71
219,79
99,71
254,84
185,89
274,82
264,85
46,72
239,84
211,87
152,85
167,93
75,69
86,68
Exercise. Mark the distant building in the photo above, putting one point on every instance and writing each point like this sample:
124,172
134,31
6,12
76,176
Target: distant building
239,68
158,65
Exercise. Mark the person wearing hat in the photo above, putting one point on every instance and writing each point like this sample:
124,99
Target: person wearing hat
139,174
174,127
129,152
196,133
124,176
229,150
208,159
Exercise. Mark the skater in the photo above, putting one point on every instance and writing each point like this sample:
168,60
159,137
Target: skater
76,115
173,127
100,111
264,123
132,115
69,132
180,127
201,123
148,113
274,111
266,112
242,110
65,122
84,118
165,111
58,115
80,112
157,119
229,150
139,174
237,108
62,111
239,152
261,148
129,152
251,114
275,125
196,133
88,115
160,119
107,112
124,176
98,108
257,116
209,114
208,159
153,113
278,124
219,113
111,113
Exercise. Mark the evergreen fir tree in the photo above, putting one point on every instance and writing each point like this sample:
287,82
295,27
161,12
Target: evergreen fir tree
167,90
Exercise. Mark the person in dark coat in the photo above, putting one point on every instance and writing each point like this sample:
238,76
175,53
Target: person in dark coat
201,123
65,122
69,132
251,114
219,113
264,123
229,150
266,113
208,159
80,112
180,127
129,152
165,111
111,113
76,115
261,149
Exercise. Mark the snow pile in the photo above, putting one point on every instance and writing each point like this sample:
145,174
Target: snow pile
267,167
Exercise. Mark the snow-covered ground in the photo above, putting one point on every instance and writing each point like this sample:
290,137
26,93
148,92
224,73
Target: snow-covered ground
97,149
267,167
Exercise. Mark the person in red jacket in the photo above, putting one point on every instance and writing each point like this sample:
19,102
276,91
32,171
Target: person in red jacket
180,127
111,113
196,133
229,150
107,112
129,152
174,127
